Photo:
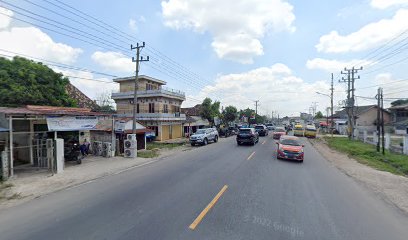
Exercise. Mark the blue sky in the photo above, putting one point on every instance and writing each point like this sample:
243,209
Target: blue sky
280,52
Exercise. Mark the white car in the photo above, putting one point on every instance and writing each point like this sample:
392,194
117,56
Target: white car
203,136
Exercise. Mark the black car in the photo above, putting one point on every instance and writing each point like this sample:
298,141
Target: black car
261,130
247,135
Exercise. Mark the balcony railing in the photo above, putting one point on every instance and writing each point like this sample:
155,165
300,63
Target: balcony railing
158,116
148,93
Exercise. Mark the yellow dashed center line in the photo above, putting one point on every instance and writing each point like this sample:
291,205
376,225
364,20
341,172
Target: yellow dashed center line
208,208
250,156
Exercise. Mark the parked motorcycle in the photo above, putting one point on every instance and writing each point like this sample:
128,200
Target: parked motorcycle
72,152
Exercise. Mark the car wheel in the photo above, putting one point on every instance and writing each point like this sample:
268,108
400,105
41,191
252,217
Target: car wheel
238,143
216,139
193,144
205,141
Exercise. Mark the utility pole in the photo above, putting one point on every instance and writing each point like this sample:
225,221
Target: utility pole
331,105
314,107
378,119
137,60
382,121
350,98
256,109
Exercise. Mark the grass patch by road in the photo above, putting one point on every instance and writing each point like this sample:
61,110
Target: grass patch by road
367,154
159,145
148,154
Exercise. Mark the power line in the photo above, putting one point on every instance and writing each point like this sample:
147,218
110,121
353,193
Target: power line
55,64
162,66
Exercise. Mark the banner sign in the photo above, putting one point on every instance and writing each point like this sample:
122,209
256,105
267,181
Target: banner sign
120,126
71,123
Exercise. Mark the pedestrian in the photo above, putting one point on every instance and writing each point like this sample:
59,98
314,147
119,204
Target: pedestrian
86,144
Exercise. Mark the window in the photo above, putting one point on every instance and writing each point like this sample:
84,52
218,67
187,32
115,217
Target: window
149,86
166,108
137,108
151,107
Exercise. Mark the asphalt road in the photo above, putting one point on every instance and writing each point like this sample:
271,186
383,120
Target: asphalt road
259,197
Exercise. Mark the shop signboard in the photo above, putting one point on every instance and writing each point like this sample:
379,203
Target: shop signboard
71,123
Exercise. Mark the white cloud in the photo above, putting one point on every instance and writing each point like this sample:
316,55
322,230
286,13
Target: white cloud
391,87
369,36
92,89
132,24
331,65
383,4
33,42
236,26
276,87
5,20
114,61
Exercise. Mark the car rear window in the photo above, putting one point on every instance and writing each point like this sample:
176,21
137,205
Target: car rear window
244,130
259,127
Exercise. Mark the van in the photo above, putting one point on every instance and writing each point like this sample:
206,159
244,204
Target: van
310,131
298,130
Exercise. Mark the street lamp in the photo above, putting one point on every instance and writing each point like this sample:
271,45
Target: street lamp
331,108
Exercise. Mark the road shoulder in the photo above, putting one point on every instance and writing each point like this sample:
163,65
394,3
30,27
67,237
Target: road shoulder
391,188
27,186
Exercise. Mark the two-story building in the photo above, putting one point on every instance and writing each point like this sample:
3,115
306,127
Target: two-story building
400,118
158,107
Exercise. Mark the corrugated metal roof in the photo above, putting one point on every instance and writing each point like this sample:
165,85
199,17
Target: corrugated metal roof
49,110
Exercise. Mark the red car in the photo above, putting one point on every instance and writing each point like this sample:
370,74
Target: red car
289,147
278,132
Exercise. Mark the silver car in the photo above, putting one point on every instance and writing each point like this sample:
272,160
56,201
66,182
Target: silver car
203,136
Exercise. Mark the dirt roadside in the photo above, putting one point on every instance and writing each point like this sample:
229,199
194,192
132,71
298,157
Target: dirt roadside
26,186
392,188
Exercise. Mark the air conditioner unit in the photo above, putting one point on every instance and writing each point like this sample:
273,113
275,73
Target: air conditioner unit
99,148
107,149
130,153
131,137
107,146
107,153
130,144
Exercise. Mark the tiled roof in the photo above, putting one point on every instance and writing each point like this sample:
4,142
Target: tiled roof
82,100
404,106
192,111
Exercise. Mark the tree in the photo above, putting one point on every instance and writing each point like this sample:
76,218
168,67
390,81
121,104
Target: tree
209,110
319,115
105,103
399,102
25,82
229,114
250,114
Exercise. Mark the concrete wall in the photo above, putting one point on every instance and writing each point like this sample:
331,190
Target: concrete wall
127,86
368,118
